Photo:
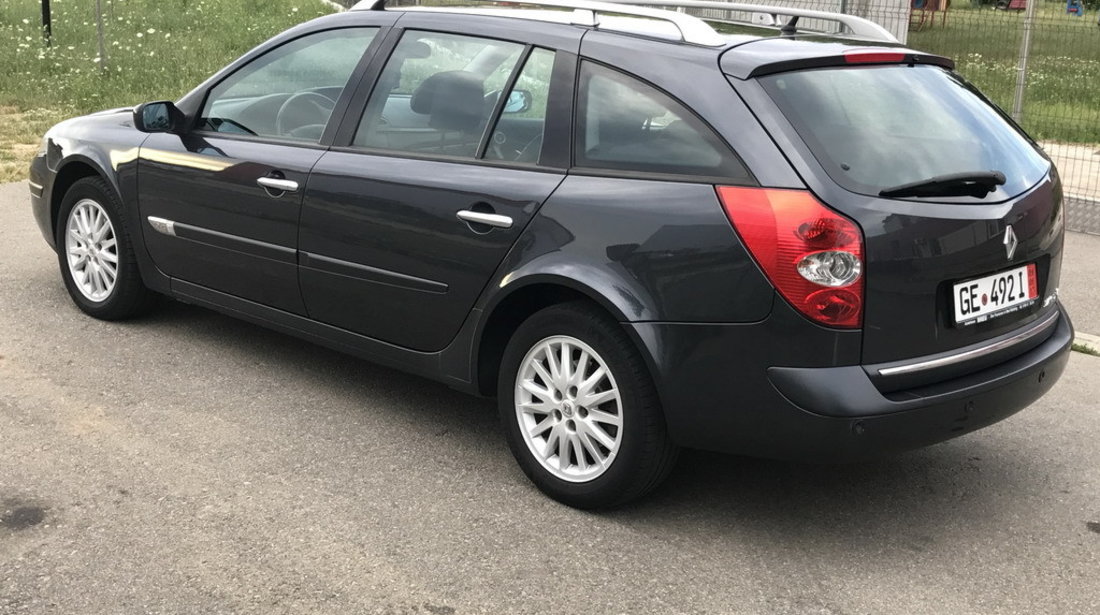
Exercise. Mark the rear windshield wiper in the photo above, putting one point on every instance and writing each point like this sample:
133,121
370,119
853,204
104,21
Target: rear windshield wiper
976,184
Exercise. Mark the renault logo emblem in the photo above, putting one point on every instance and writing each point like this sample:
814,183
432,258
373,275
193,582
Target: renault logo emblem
1010,242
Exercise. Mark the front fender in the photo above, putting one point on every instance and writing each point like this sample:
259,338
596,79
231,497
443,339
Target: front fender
105,144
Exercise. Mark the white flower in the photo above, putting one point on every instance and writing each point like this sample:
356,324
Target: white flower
152,30
26,21
139,35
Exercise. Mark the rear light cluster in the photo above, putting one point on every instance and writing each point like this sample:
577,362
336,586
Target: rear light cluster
810,253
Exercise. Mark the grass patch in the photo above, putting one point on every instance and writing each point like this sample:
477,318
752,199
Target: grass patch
158,49
20,132
155,50
1062,100
1086,349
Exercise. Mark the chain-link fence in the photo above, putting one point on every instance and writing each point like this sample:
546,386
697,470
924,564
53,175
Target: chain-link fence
1038,59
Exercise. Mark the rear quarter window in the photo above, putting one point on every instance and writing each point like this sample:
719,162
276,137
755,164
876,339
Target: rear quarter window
874,128
626,125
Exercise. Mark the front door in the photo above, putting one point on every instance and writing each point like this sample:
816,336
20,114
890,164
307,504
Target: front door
220,204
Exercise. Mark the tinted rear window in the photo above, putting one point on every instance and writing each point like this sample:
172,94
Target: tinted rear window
873,128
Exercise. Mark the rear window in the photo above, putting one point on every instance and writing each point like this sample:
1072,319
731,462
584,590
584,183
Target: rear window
874,128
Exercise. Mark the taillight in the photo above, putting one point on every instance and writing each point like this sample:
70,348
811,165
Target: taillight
810,253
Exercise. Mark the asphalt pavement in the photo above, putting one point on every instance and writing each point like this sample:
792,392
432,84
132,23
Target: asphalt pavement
1079,289
191,463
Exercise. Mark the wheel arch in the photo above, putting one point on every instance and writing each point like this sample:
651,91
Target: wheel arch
70,171
525,297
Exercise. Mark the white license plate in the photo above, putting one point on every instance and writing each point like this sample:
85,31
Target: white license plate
995,295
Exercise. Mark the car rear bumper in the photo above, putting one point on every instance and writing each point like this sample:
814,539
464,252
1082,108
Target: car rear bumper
725,396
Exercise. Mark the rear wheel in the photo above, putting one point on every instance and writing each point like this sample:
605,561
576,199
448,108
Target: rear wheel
580,411
96,255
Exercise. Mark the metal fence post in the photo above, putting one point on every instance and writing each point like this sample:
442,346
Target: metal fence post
99,31
47,23
1021,65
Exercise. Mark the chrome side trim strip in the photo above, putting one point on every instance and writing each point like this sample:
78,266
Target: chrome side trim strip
961,357
162,226
366,273
225,241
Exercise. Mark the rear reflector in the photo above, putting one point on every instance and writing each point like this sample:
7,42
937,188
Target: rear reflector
810,253
873,57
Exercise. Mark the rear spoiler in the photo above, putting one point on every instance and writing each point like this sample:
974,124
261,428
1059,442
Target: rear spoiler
758,58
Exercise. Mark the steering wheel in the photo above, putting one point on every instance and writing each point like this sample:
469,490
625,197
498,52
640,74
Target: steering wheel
303,110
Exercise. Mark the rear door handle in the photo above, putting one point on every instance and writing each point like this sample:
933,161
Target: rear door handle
478,217
280,185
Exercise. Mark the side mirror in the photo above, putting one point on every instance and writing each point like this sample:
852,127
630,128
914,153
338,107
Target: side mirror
160,116
518,101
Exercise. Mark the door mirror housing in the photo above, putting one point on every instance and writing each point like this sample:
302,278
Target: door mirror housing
160,116
518,101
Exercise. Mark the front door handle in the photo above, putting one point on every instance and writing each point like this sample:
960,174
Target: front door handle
278,185
477,217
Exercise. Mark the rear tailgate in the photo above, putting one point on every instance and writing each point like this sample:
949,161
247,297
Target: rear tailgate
928,285
969,256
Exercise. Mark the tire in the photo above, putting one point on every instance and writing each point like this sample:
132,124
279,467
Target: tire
100,288
616,446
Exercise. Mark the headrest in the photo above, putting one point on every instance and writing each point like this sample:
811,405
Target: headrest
455,100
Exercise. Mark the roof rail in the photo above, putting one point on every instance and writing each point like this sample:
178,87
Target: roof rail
692,29
859,27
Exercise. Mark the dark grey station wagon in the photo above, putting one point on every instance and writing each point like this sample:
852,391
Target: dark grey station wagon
638,228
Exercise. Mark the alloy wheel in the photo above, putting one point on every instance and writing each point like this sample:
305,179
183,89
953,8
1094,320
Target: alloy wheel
91,250
569,408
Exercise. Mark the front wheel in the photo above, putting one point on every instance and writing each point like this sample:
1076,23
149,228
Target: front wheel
580,411
96,255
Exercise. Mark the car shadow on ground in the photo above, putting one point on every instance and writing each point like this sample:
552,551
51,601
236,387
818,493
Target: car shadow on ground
910,496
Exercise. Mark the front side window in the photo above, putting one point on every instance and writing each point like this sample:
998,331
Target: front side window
289,92
627,125
436,94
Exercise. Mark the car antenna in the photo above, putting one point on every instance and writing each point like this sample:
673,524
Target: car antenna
789,27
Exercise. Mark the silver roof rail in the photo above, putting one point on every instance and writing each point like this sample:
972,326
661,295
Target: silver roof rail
858,27
692,29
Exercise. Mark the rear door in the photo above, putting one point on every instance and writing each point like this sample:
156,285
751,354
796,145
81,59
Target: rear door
221,203
458,145
949,262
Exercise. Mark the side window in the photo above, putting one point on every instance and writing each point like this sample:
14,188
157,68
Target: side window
624,124
290,91
436,94
517,136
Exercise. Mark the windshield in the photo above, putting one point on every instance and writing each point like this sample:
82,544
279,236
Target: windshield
876,128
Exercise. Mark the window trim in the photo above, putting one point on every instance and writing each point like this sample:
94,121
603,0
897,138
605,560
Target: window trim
427,157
